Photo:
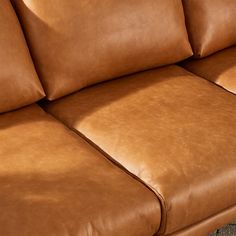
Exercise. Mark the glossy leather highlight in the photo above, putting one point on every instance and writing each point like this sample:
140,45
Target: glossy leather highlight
173,130
79,43
54,183
219,68
19,83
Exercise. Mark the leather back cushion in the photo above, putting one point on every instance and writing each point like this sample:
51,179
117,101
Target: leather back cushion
19,84
77,43
211,25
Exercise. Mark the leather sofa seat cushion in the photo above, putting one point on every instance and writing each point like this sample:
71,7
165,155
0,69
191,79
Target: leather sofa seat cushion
19,84
52,182
173,130
80,43
219,68
211,25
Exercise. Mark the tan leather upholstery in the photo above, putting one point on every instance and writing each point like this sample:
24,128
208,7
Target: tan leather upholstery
211,25
19,84
79,43
209,225
173,130
53,183
219,68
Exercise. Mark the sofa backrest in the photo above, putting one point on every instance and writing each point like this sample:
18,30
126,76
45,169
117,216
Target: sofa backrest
19,84
75,44
211,25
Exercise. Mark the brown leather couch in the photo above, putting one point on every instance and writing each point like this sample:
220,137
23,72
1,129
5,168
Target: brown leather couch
134,129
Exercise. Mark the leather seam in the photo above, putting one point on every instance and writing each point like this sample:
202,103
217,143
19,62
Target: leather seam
160,198
204,78
162,228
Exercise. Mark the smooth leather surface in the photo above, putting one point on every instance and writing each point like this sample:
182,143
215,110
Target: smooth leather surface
53,183
78,43
211,25
219,68
209,225
173,130
19,84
